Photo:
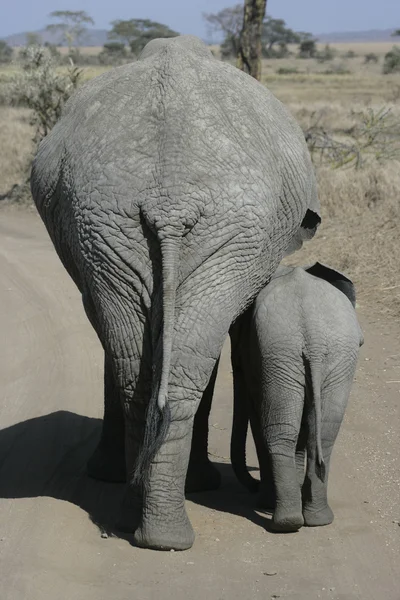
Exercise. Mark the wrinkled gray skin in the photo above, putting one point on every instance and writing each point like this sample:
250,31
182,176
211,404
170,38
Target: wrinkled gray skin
294,356
171,188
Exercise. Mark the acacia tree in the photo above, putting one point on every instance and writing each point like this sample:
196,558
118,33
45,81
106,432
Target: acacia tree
33,39
249,55
275,32
72,25
230,22
138,32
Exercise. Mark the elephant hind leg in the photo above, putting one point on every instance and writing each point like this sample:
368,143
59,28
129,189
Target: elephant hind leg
282,426
107,463
316,510
202,475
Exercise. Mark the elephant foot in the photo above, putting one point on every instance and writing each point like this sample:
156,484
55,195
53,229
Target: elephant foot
107,464
165,534
318,518
285,521
202,477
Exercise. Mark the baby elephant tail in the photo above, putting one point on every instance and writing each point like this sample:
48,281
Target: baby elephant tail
315,368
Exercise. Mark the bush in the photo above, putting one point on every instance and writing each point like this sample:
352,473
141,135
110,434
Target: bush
307,49
392,61
42,89
228,48
336,70
6,52
371,57
287,71
326,54
350,54
375,135
113,53
282,51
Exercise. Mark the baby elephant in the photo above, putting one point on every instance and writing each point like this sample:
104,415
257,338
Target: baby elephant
294,356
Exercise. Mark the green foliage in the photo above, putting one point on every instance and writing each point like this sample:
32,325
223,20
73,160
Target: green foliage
113,53
229,47
54,51
350,54
72,24
275,33
6,52
279,51
374,136
326,54
336,70
42,89
308,48
396,33
33,39
228,21
287,70
138,32
392,61
371,57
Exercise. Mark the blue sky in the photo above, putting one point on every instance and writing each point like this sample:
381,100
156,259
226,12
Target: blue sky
185,16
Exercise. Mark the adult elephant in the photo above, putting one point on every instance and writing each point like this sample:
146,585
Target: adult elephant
171,188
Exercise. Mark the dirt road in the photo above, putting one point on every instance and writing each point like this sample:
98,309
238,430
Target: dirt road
50,406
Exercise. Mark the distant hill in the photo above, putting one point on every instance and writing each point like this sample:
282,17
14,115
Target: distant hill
98,37
95,37
373,35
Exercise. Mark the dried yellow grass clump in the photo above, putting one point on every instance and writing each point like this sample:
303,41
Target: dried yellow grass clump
360,232
16,145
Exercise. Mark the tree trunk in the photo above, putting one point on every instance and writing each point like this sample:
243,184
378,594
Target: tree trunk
249,55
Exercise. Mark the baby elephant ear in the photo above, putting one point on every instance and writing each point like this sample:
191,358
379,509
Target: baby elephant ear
340,281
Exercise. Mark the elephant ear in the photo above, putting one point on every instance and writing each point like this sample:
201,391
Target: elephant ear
305,232
340,281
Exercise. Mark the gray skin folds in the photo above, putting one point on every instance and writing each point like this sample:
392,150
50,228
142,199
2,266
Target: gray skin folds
294,356
171,188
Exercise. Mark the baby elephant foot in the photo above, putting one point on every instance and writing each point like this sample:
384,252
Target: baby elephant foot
202,476
285,520
107,464
318,518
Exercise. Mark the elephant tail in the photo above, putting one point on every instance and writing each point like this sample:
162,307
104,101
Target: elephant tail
240,425
158,417
315,368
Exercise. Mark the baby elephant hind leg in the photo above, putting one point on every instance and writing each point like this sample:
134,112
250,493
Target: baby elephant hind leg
316,510
282,421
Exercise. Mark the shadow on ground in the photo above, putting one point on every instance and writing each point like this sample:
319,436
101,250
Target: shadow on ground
46,456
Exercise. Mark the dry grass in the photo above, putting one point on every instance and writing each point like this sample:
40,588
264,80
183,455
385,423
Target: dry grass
16,146
360,232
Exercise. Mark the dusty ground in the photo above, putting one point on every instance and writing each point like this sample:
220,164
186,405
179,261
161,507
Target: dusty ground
50,406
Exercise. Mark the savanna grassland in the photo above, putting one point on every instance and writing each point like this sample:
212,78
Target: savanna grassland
361,209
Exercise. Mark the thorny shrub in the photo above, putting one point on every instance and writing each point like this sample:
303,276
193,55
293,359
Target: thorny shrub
375,135
42,88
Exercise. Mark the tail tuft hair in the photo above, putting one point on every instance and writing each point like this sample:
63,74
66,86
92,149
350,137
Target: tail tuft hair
156,428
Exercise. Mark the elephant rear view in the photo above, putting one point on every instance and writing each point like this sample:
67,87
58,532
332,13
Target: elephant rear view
297,355
171,188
